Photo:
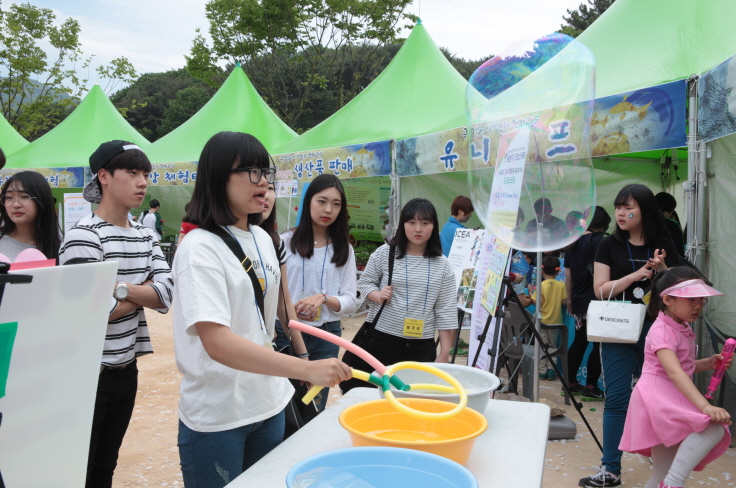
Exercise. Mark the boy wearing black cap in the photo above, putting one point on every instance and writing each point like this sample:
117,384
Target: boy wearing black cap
144,280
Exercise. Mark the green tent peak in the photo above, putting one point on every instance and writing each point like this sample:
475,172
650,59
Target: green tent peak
236,107
237,64
69,144
10,140
418,92
419,21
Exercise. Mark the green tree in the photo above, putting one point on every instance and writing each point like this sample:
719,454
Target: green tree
185,104
465,67
292,49
146,101
579,20
35,92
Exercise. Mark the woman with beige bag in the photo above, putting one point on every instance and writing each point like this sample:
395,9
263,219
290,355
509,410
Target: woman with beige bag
624,265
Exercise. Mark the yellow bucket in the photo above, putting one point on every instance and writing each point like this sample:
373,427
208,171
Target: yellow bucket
377,423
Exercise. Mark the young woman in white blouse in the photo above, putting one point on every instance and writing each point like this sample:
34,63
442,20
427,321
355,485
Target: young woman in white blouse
320,264
234,387
421,299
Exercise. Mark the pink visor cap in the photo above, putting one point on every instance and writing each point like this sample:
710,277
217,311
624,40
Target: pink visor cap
691,289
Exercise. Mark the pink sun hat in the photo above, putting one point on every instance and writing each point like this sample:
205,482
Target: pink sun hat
691,289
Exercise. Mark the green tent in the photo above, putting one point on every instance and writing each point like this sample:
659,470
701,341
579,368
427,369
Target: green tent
70,143
10,140
236,106
418,92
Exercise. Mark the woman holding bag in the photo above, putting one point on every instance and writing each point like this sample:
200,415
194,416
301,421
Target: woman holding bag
421,298
624,265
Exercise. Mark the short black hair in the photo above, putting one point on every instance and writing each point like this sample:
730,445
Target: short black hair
154,203
209,206
423,209
601,219
666,202
550,265
302,242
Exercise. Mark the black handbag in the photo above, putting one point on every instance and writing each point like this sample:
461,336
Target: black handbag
363,336
296,412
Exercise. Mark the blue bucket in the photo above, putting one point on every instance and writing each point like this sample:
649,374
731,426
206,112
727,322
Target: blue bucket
389,467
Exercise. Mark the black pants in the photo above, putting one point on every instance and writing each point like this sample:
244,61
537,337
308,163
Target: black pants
114,404
390,349
577,351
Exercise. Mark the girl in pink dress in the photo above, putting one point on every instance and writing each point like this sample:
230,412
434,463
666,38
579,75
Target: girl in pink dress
668,418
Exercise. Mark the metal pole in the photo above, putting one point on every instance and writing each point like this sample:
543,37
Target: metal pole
692,168
537,323
394,201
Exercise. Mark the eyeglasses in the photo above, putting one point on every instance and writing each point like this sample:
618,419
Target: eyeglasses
695,301
255,174
9,200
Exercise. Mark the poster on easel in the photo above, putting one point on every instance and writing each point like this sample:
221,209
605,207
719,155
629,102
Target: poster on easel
464,256
491,268
75,208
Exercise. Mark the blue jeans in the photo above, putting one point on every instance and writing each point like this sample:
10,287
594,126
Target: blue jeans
621,363
317,349
214,459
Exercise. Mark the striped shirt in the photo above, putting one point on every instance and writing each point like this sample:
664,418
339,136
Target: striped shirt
423,289
139,259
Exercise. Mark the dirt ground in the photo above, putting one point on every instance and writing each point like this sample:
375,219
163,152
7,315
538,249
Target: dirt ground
149,456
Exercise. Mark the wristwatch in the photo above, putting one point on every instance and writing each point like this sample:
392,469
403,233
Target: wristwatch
121,290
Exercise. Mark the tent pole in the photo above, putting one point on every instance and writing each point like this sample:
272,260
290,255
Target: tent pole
692,168
394,201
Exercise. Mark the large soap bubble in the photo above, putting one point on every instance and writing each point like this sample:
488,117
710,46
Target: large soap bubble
530,170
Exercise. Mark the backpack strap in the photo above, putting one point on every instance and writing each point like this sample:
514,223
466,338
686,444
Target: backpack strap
245,261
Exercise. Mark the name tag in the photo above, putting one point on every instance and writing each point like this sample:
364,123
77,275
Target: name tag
413,327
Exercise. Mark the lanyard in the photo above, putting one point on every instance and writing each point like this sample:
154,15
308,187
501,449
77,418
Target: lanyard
406,274
322,276
265,277
631,257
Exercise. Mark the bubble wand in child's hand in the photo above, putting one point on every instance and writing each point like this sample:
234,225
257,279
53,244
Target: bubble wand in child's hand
727,353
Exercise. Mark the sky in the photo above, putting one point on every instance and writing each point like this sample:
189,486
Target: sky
155,35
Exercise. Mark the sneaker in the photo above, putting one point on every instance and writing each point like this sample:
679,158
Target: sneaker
551,375
601,479
462,344
542,376
575,388
460,352
592,394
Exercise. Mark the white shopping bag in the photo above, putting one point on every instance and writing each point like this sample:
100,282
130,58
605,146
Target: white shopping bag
612,321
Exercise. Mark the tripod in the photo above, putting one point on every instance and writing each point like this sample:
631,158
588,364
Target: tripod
5,279
499,314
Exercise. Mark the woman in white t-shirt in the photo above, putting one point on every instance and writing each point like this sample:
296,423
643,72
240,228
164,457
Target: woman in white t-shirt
234,387
320,265
27,213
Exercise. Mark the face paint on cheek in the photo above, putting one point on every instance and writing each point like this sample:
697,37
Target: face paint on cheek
631,215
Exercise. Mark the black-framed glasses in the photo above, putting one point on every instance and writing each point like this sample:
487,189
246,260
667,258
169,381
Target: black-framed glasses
255,174
23,199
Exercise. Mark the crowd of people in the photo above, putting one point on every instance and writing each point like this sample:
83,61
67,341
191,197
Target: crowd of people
235,282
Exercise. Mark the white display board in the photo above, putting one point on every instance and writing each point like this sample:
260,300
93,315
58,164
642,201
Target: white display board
463,257
75,207
55,364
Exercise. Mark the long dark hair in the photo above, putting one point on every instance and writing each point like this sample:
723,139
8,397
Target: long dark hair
46,227
209,206
269,225
653,228
664,280
422,209
302,242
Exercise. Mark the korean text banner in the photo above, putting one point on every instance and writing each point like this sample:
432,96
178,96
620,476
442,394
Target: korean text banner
57,177
355,161
641,120
717,101
170,174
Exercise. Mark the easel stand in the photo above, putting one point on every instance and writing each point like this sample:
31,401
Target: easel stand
508,288
5,279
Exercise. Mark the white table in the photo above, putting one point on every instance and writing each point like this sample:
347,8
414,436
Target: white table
509,453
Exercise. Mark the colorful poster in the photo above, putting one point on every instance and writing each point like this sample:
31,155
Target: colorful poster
464,256
717,101
286,188
367,202
503,206
57,177
355,161
490,267
75,207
